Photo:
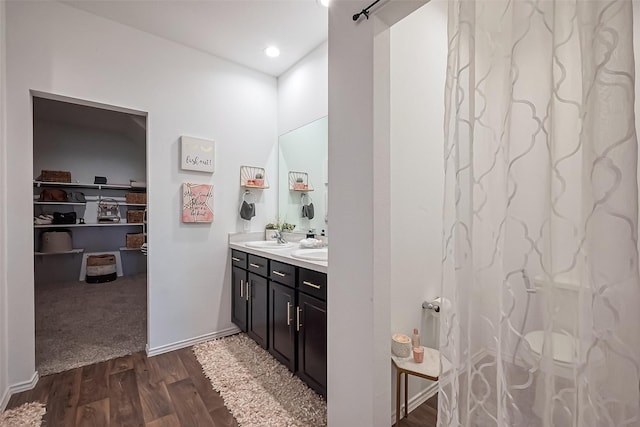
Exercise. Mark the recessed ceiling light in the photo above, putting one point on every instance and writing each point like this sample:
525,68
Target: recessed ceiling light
325,3
272,52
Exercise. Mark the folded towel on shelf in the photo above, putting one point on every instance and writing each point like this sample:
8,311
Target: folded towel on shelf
43,219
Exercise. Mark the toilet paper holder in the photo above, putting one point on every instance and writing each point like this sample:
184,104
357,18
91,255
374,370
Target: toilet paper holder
431,306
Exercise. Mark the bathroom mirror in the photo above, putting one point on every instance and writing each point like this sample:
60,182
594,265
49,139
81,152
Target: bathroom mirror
303,176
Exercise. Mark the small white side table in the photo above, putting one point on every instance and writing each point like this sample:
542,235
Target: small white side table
428,369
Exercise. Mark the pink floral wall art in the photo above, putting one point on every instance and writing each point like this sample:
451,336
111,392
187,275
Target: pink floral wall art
197,202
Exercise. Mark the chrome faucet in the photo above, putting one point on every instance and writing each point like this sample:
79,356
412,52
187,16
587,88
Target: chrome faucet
278,235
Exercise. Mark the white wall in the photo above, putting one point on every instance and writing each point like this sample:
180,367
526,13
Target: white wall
353,394
87,152
418,71
54,48
302,99
4,380
303,91
359,388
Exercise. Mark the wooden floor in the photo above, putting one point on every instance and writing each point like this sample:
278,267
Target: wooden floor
168,390
424,415
165,390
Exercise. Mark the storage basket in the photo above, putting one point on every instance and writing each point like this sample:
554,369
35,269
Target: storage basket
135,217
55,241
136,198
135,240
101,268
55,176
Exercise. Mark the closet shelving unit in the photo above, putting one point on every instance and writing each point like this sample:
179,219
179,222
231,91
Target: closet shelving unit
99,188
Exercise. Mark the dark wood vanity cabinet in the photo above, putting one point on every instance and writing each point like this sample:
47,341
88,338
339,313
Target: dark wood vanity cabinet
258,314
249,296
285,313
311,325
239,297
282,307
282,330
311,322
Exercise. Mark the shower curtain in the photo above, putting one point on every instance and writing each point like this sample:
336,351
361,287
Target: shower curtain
541,316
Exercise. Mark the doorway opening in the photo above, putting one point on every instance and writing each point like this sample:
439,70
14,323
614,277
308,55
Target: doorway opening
90,205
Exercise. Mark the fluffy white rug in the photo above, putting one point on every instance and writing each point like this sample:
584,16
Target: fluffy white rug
257,389
27,415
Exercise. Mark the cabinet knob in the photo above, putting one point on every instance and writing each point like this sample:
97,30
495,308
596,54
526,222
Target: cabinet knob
288,313
298,324
255,265
277,273
235,259
241,288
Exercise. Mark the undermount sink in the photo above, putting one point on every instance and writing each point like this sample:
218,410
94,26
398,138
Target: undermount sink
268,244
311,254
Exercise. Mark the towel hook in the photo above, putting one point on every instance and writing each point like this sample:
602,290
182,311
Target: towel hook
247,193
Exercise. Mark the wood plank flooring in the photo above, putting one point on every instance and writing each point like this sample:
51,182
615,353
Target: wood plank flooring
425,415
168,390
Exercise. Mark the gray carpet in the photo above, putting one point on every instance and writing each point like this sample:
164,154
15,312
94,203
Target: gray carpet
78,324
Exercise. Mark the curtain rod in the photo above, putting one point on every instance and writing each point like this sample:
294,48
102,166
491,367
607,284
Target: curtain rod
364,11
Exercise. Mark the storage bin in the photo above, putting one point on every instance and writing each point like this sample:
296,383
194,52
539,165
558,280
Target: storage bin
134,240
55,241
54,176
136,198
135,216
101,268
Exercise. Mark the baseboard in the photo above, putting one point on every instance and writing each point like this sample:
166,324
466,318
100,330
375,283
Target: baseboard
191,341
17,388
5,399
417,400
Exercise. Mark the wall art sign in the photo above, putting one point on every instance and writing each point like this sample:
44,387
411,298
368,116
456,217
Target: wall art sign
197,202
197,154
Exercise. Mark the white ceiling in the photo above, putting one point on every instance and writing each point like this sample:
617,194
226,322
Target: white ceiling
236,30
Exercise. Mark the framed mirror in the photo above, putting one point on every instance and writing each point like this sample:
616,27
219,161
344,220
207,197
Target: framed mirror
303,177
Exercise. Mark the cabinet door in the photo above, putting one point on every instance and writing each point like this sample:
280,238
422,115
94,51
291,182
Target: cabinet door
239,298
258,310
311,322
282,333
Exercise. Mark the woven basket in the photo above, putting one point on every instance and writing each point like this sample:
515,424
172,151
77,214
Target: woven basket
55,176
135,217
135,241
136,198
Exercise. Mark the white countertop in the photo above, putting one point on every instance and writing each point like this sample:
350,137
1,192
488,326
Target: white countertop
238,240
430,366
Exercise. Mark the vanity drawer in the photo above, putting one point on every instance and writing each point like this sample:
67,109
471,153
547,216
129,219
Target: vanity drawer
312,283
238,259
282,273
258,265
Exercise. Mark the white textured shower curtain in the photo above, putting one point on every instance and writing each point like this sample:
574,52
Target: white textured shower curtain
540,214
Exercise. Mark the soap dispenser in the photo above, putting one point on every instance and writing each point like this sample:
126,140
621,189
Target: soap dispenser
311,234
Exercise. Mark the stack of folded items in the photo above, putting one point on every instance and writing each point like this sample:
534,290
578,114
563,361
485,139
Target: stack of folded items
44,219
311,243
